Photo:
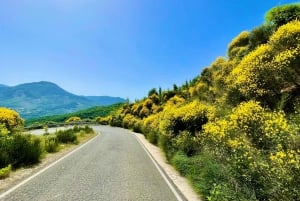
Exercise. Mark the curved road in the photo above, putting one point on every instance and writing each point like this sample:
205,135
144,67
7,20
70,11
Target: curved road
113,166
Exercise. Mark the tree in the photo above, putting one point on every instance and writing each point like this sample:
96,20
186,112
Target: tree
260,35
281,15
151,92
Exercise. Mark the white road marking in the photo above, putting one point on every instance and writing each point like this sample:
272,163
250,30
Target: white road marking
178,197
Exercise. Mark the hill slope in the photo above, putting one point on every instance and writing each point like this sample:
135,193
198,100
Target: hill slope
45,98
90,113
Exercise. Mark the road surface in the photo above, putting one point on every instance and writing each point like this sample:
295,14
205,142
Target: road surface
113,166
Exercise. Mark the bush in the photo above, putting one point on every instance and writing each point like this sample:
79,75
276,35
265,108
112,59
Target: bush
281,15
11,119
66,136
191,117
238,47
73,119
4,172
23,149
88,130
202,170
51,143
152,136
187,143
257,146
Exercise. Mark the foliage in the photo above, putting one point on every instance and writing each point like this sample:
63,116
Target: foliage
234,129
3,130
51,143
265,73
259,35
4,172
66,136
191,117
91,113
238,46
11,119
281,15
20,149
73,119
250,136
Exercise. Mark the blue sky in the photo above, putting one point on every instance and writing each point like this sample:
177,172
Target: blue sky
118,47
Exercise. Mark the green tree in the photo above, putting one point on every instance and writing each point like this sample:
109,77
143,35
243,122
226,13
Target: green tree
281,15
152,91
260,35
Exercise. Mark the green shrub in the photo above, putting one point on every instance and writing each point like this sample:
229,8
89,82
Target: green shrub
152,136
24,150
187,143
4,147
88,129
202,170
66,136
51,143
4,172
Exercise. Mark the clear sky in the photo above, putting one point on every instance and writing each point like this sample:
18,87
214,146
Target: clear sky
118,47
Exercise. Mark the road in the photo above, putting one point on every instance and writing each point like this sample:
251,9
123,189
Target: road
113,166
50,130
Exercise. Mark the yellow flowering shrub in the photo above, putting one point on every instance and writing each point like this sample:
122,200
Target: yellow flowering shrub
191,117
271,68
239,45
73,119
11,119
130,121
250,121
285,173
287,36
257,145
176,100
104,120
151,123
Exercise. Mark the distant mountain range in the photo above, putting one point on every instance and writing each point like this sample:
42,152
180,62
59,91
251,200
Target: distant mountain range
39,99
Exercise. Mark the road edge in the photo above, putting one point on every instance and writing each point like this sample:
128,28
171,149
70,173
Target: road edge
170,175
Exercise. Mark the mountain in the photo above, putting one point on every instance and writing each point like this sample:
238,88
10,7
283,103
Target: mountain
45,98
3,86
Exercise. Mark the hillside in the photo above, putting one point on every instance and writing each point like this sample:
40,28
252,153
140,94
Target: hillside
234,129
86,115
45,98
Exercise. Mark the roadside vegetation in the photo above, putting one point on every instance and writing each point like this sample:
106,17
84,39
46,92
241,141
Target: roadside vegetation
18,149
85,116
233,131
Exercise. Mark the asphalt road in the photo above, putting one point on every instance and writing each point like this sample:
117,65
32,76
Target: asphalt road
50,130
112,167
